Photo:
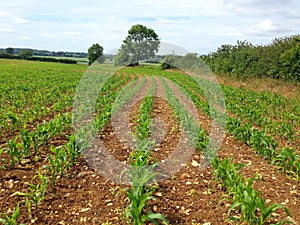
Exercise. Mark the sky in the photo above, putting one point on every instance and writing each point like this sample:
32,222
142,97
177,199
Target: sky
196,25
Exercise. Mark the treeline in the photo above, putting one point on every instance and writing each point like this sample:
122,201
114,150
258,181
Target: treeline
279,59
38,52
41,59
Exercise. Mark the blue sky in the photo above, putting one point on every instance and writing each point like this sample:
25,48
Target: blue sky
197,25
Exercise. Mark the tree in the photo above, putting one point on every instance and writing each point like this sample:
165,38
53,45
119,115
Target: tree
140,44
9,51
290,63
95,52
26,53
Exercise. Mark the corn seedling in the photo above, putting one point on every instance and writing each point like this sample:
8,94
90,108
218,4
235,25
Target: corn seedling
289,162
13,219
36,193
26,143
227,172
139,194
14,119
13,151
42,133
252,206
73,149
58,163
141,173
246,200
35,142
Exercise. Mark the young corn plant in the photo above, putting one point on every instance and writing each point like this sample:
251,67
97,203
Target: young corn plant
289,162
140,175
59,163
35,142
267,212
227,172
13,117
26,142
13,151
1,159
3,124
139,194
36,193
73,149
246,200
43,133
13,219
252,206
264,145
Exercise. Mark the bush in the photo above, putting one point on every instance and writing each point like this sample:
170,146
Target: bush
280,59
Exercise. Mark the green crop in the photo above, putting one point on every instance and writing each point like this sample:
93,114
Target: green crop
289,162
13,117
27,92
244,198
59,163
227,172
73,149
26,142
13,151
36,192
140,193
7,220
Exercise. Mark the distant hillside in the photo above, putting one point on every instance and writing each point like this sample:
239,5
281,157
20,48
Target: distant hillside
37,52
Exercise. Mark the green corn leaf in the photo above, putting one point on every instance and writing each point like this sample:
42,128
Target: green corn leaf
267,212
156,216
233,206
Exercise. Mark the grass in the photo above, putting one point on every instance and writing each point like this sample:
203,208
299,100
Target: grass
287,89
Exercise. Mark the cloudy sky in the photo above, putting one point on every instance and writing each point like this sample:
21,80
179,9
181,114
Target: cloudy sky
197,25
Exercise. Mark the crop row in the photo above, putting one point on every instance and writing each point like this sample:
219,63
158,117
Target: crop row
141,172
245,200
278,115
26,148
285,158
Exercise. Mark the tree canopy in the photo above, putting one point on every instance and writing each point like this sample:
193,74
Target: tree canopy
26,53
9,50
279,59
95,52
141,43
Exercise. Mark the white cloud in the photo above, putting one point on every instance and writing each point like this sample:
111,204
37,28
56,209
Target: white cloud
6,30
25,38
19,20
265,26
197,25
4,13
269,28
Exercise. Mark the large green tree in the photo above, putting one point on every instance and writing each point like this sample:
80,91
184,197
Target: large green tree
9,50
95,52
141,43
26,53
